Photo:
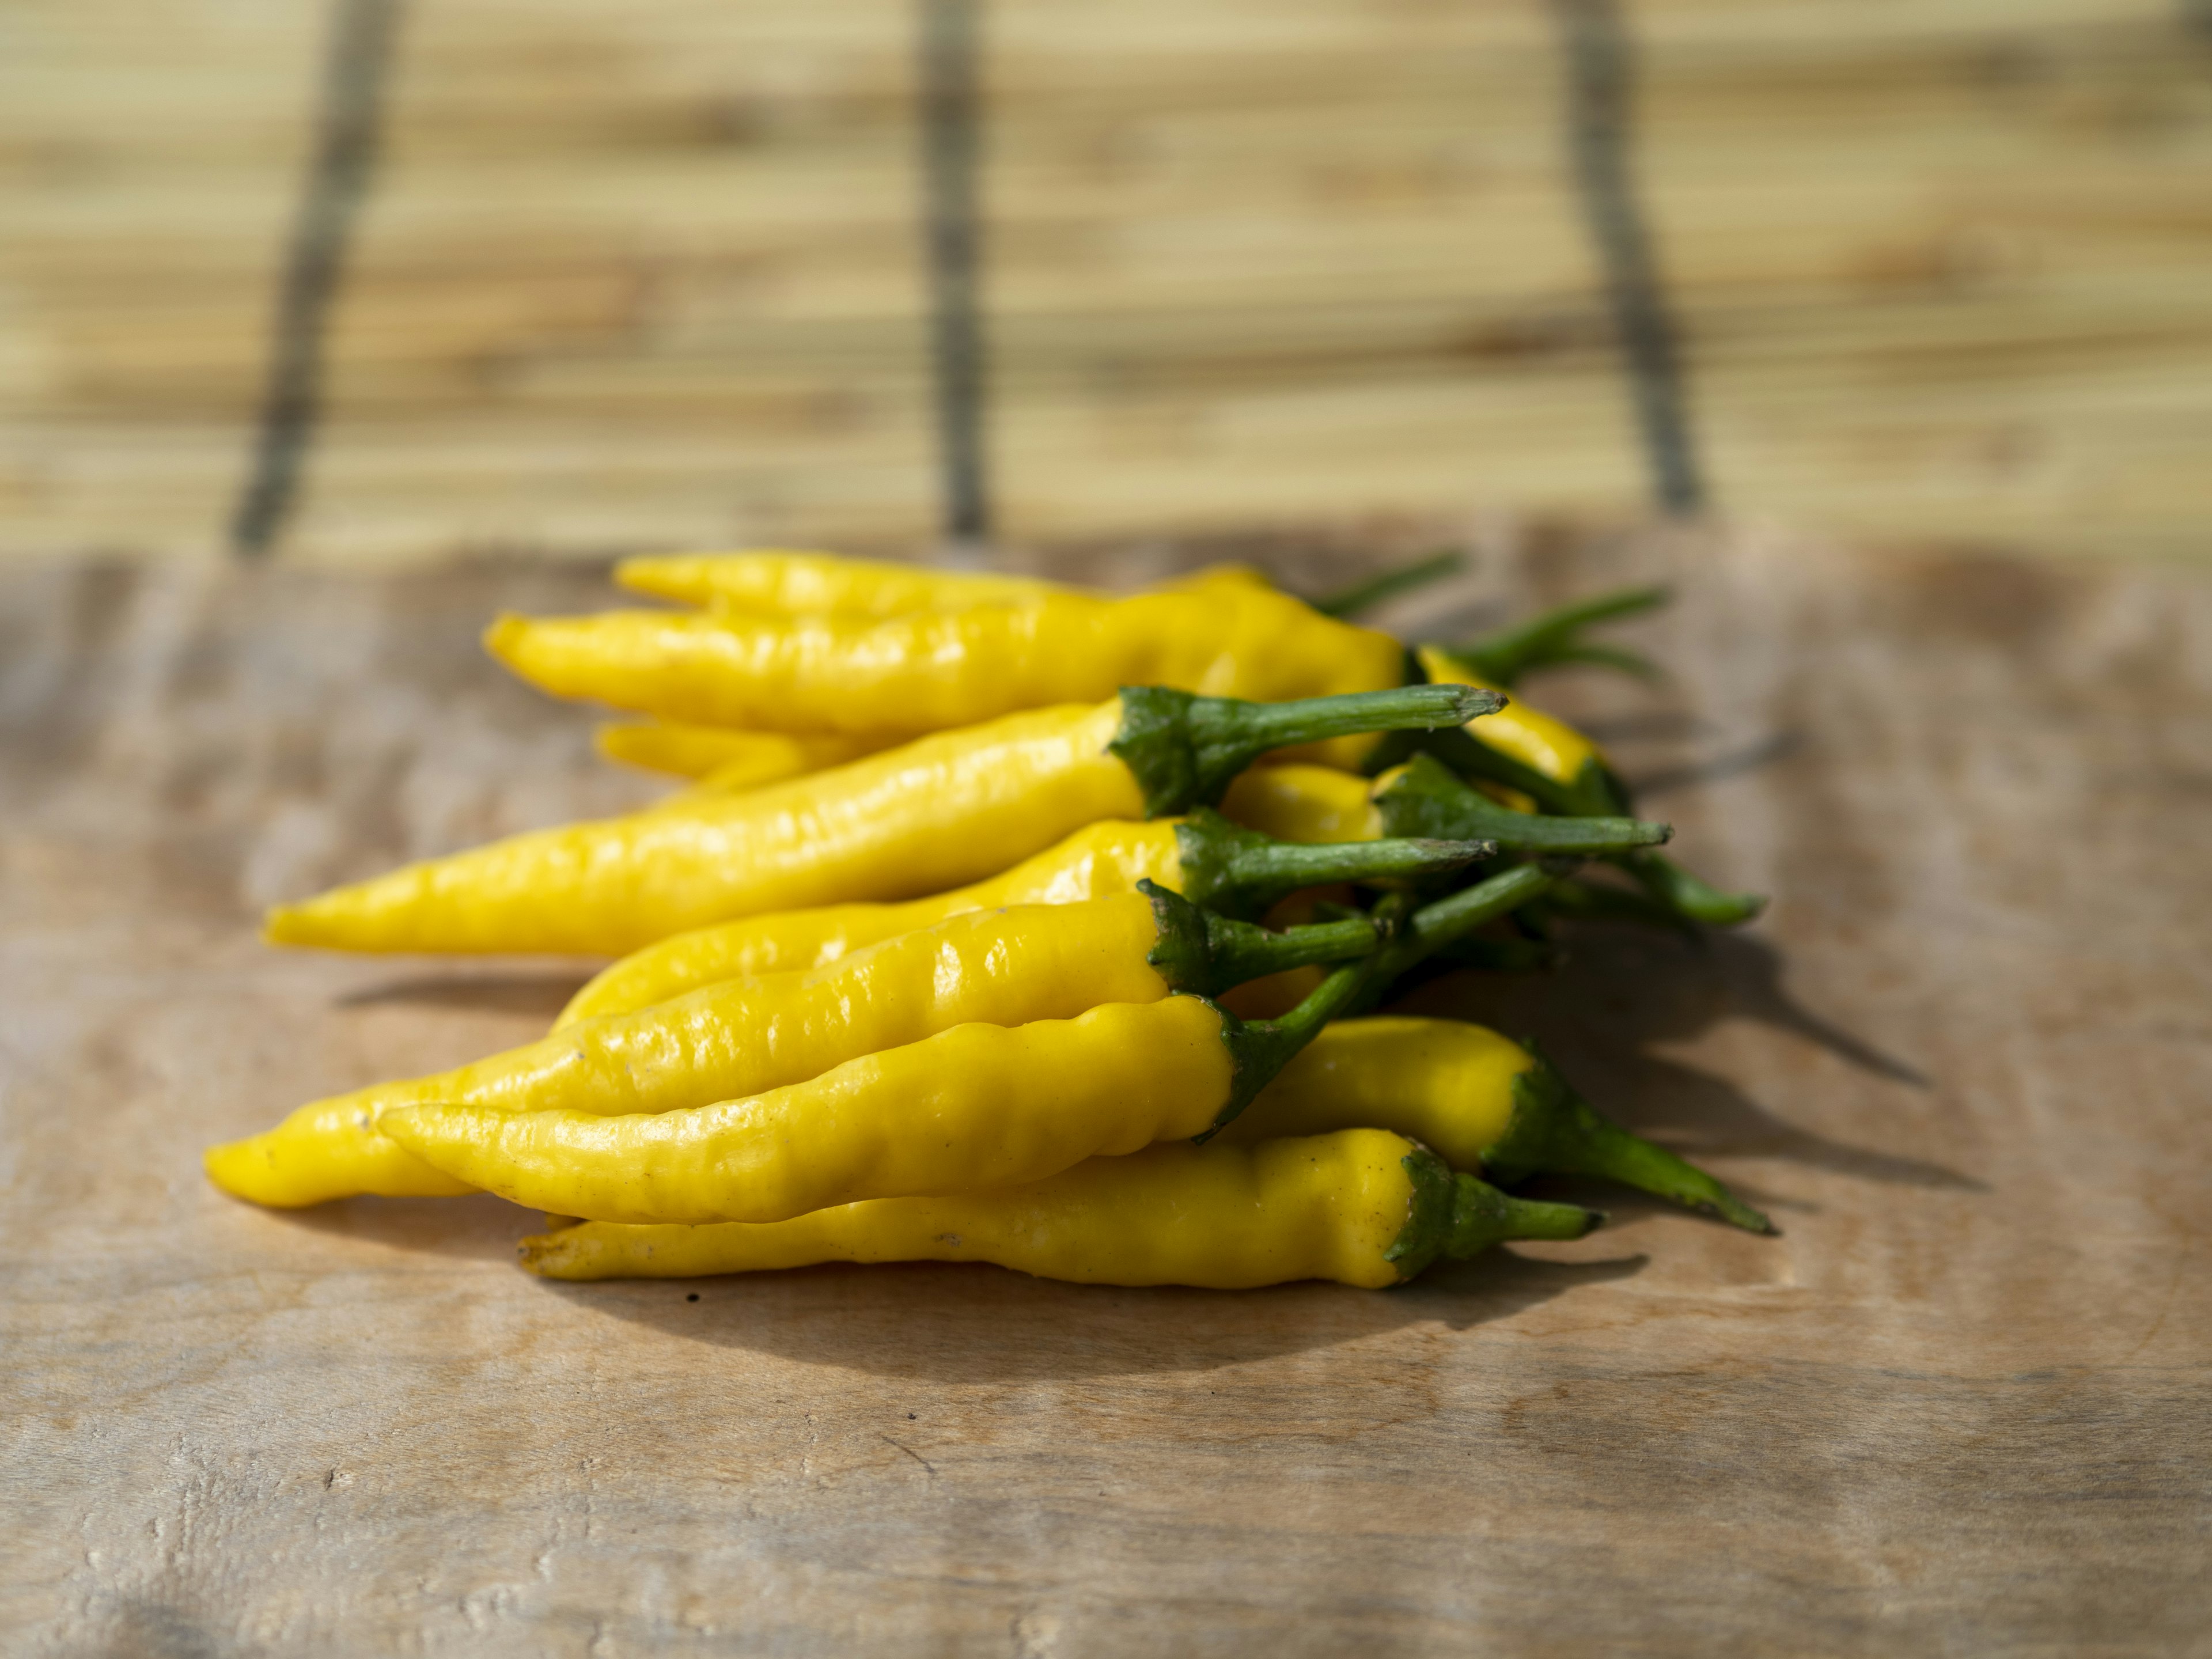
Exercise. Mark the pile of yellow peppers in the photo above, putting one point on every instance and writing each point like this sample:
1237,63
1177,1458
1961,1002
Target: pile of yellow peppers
1005,922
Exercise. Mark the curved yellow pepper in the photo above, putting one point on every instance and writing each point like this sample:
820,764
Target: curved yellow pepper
1007,967
971,1109
1305,804
1362,1208
934,814
929,670
738,1037
723,758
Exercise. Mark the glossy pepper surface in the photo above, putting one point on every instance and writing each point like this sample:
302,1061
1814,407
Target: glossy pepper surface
1007,967
931,814
1483,1104
1203,857
929,670
1362,1208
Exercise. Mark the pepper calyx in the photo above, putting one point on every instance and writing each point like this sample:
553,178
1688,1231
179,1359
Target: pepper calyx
1206,954
1457,1217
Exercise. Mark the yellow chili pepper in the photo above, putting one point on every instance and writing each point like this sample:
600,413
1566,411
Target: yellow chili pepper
931,814
774,581
933,669
728,759
1484,1104
742,1036
1203,856
1363,1207
972,1108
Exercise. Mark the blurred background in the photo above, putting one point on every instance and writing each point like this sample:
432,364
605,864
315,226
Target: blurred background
367,281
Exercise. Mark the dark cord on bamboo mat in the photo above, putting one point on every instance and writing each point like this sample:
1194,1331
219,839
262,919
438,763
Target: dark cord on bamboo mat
361,34
1600,85
951,117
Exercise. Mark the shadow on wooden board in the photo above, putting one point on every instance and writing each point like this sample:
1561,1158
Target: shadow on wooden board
970,1323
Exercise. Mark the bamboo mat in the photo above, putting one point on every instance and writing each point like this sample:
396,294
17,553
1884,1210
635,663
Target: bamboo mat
383,280
1957,1407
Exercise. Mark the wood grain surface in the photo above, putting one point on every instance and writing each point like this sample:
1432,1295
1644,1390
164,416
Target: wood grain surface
1959,1407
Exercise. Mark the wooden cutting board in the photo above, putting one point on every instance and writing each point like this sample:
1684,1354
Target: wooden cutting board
1959,1406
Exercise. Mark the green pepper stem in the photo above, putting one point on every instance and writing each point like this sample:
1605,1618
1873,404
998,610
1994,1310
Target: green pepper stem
1432,928
1554,1131
1204,954
1364,596
1239,871
1456,1217
1428,798
1552,637
1184,751
1683,893
1482,1216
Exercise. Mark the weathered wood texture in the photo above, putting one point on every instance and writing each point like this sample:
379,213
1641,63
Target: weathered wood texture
644,273
1957,1407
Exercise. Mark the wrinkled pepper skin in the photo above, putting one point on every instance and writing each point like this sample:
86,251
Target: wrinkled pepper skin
933,669
1362,1208
1009,966
970,1110
931,814
1303,804
1226,1218
1098,861
742,1036
722,758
